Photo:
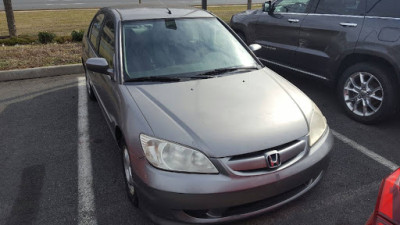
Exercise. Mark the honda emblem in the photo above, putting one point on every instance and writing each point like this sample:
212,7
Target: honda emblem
273,159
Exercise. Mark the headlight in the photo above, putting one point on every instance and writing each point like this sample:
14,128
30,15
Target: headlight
170,156
318,125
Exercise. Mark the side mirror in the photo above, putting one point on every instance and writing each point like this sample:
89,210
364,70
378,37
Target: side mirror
255,47
98,65
269,7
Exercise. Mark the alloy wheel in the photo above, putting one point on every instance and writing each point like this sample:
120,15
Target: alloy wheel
128,172
363,94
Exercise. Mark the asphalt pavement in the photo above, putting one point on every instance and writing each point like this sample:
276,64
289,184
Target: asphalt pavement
71,4
40,161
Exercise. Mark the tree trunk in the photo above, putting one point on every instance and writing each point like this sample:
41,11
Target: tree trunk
249,4
12,30
204,4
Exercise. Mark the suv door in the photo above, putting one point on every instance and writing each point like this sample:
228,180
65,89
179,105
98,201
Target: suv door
278,31
383,20
330,32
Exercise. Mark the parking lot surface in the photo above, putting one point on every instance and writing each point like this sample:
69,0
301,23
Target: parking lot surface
60,165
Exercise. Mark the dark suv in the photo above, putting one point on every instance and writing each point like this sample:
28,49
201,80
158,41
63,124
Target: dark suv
354,44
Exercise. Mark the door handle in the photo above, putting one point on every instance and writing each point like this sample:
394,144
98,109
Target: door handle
348,24
293,20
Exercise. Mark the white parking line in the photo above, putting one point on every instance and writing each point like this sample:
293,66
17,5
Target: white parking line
86,210
65,4
385,162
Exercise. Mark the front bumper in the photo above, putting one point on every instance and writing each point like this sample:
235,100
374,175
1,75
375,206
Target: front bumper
199,198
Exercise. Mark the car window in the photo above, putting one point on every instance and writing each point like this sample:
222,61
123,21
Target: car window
383,8
107,41
341,7
291,6
180,47
94,30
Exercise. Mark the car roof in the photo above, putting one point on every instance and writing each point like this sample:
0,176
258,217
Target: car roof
144,12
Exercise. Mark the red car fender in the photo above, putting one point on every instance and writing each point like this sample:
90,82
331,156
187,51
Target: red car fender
387,209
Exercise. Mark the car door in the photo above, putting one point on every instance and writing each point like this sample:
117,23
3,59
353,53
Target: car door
107,84
277,31
327,34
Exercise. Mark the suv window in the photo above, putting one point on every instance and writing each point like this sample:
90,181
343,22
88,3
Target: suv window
341,7
107,41
383,8
94,30
295,6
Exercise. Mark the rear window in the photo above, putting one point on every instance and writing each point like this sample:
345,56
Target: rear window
341,7
106,47
95,30
383,8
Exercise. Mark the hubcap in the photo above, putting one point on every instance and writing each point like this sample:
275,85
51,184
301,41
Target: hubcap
128,172
363,94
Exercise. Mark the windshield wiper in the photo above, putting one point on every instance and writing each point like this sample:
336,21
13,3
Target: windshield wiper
154,79
226,70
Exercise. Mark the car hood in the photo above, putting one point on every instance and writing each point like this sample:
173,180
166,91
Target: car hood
222,116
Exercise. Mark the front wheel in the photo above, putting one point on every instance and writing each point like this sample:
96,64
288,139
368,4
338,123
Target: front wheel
130,185
368,92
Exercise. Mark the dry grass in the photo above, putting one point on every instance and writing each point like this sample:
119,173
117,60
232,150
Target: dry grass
62,23
29,56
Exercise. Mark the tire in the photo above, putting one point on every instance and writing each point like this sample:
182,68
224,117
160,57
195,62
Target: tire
368,92
89,87
128,175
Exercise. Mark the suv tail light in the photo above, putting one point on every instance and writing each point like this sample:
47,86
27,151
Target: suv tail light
387,209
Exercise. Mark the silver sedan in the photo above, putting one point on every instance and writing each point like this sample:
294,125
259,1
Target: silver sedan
207,133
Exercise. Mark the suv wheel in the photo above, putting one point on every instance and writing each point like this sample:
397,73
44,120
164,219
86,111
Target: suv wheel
129,183
367,93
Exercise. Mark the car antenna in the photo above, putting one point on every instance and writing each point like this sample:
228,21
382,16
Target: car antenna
162,3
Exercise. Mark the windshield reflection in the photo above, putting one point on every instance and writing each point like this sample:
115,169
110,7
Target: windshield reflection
180,47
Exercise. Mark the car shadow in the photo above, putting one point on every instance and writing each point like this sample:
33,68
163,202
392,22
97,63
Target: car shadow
38,160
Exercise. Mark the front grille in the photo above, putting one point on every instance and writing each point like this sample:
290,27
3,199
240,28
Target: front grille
256,162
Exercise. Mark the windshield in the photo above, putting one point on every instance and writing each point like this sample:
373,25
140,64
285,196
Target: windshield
180,47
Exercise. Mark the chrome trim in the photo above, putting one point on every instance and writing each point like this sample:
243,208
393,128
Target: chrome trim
120,55
288,13
348,24
319,14
293,20
382,17
294,69
256,164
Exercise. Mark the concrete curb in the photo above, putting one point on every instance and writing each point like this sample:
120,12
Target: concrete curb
50,71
